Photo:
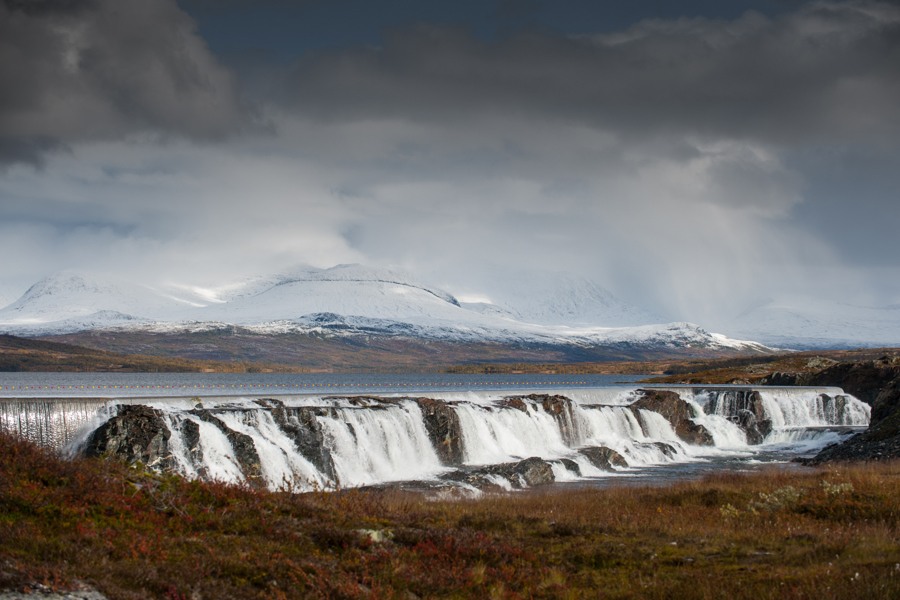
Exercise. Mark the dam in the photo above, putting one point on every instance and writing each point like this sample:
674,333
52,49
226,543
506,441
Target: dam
495,438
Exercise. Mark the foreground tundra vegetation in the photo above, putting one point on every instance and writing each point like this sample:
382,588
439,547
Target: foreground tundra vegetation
827,533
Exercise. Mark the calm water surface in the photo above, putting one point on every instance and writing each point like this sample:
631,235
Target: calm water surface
115,385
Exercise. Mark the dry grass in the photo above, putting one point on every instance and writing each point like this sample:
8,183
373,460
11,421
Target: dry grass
821,534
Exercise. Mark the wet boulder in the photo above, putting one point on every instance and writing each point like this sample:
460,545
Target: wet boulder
524,473
755,429
676,411
138,434
444,430
570,465
603,458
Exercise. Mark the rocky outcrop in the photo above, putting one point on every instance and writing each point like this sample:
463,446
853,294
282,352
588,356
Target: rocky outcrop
881,441
301,426
524,473
603,458
444,430
863,379
676,411
137,434
570,465
875,382
559,407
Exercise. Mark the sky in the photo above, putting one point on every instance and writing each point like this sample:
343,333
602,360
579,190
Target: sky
691,157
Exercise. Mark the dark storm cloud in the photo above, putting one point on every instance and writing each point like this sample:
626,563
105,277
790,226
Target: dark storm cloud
826,72
26,149
102,69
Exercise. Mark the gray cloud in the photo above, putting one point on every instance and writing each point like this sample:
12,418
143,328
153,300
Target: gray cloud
690,166
102,69
827,71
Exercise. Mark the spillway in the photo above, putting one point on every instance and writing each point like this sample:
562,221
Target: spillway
472,440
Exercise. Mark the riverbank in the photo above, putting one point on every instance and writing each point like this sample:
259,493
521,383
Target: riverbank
875,382
131,534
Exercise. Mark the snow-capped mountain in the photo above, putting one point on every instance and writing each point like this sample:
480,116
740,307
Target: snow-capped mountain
809,323
350,300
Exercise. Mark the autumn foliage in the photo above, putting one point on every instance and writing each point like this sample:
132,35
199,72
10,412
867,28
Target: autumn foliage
131,534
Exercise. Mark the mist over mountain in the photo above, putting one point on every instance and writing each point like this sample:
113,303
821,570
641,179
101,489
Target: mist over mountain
806,323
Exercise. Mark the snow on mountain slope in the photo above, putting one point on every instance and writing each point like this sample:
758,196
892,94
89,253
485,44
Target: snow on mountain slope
809,323
349,290
563,299
343,300
69,295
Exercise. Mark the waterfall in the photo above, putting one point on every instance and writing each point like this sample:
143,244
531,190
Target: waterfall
51,422
618,428
803,408
494,435
787,407
476,438
371,446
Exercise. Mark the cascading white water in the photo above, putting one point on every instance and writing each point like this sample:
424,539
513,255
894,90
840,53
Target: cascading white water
219,462
811,408
278,457
724,432
388,444
619,429
51,422
495,435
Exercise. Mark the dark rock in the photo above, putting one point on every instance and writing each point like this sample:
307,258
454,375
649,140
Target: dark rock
444,430
676,411
137,434
754,428
570,466
525,473
190,435
515,402
745,409
603,458
667,449
302,427
887,402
